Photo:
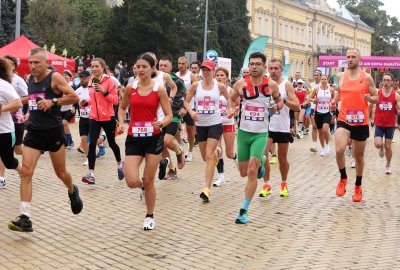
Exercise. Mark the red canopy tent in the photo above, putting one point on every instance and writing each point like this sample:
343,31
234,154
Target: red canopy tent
20,49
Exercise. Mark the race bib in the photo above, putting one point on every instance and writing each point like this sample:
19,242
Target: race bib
32,101
323,106
254,113
84,110
142,129
355,116
223,108
385,106
205,106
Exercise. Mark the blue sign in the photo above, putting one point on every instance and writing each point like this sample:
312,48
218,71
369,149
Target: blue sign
212,55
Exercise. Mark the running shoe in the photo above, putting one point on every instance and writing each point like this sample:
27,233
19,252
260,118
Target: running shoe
148,224
205,195
301,135
353,163
322,153
388,170
120,170
274,160
21,224
357,196
348,151
102,151
284,192
196,143
219,182
70,146
171,175
189,157
327,149
298,135
142,196
86,163
162,169
261,169
341,187
243,217
89,179
381,151
80,150
313,149
180,160
306,131
76,202
265,191
3,183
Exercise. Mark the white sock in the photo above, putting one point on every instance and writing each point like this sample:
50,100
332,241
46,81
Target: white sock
25,208
221,177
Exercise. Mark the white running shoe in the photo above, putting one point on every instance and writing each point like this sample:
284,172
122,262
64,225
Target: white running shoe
388,170
3,183
348,151
149,224
322,153
142,196
353,163
86,163
327,149
301,135
189,157
219,182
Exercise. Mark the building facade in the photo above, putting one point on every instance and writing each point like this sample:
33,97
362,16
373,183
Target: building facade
301,30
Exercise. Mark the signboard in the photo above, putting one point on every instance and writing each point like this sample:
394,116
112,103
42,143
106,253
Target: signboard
212,55
366,61
226,63
191,56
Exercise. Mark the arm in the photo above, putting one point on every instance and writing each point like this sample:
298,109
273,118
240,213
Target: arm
189,96
336,99
166,107
122,109
292,102
193,78
372,96
12,106
171,85
223,91
276,96
233,98
109,92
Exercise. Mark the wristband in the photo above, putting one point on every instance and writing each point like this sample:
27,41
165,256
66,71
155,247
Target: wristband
105,93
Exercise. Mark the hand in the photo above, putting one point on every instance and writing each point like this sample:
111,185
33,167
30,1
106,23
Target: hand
171,100
45,104
194,116
83,102
273,109
182,112
121,129
332,106
368,97
157,124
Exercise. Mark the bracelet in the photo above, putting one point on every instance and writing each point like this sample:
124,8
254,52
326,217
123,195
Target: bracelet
105,93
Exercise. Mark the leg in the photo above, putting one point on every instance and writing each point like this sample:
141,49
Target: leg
58,161
211,145
94,131
132,166
109,129
388,151
149,173
358,150
283,162
342,136
30,157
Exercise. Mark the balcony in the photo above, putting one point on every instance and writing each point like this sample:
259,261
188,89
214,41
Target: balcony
331,50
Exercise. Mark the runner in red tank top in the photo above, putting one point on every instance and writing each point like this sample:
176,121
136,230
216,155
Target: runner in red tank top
144,140
385,119
356,89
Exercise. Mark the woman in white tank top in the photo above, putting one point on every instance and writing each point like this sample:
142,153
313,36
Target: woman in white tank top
207,119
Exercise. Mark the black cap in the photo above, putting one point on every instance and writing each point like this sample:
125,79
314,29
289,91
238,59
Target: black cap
84,73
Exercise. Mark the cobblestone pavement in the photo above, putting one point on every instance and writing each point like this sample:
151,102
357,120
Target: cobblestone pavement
311,229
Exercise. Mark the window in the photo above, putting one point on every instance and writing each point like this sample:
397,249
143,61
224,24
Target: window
297,35
286,32
266,27
291,34
280,31
259,26
309,39
302,36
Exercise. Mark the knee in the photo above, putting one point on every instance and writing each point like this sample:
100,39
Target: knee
168,141
133,182
243,173
252,171
26,172
62,174
148,184
209,157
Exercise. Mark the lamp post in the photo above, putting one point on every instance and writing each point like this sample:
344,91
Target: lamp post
205,32
273,28
18,19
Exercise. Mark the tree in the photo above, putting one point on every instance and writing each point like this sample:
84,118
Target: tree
7,27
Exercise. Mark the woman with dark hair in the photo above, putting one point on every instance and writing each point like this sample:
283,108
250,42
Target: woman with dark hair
103,96
144,139
9,101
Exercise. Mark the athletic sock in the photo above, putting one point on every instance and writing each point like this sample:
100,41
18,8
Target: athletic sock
245,204
300,126
25,208
343,174
149,215
358,180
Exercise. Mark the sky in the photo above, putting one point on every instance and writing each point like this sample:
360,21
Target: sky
391,7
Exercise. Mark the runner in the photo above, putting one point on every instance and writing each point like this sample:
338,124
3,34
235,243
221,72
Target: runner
144,139
302,95
256,92
45,132
322,96
385,119
315,84
208,119
103,95
279,129
245,72
67,113
356,88
189,78
9,102
229,129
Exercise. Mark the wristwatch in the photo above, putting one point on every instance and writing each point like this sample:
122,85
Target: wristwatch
55,101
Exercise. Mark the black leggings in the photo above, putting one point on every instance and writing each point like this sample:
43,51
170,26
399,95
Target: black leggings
94,132
7,150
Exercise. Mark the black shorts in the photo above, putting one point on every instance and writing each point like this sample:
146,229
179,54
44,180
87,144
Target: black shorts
171,129
83,126
280,137
45,140
142,146
67,115
388,132
188,120
322,118
291,115
358,133
19,133
210,132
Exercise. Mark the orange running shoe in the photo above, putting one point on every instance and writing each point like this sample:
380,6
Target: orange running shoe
357,196
341,187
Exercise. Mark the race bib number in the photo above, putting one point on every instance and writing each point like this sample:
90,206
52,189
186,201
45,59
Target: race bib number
32,101
205,106
385,106
323,106
355,116
142,129
254,113
84,110
223,109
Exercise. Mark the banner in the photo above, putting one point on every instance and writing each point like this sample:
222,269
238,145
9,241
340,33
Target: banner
285,71
225,63
366,61
257,45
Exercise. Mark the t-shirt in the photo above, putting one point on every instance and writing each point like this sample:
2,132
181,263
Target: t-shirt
83,94
7,95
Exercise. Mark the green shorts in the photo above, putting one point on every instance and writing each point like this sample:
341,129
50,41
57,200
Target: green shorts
250,144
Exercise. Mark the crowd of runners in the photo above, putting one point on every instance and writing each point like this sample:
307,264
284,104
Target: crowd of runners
251,121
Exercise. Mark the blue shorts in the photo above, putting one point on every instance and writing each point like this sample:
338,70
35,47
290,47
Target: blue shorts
388,132
308,111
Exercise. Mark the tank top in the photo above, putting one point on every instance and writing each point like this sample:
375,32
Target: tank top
255,102
301,94
160,81
208,112
223,106
38,119
385,110
313,85
354,108
280,121
188,82
143,111
324,98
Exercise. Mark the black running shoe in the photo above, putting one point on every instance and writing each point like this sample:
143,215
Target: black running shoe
76,202
162,170
21,224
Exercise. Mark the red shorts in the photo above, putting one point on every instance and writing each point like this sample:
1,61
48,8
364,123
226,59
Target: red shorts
229,128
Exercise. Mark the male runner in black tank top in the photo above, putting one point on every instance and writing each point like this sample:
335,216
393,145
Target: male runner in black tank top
47,91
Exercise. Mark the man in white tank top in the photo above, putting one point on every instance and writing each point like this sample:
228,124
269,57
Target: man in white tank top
279,128
189,78
315,84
